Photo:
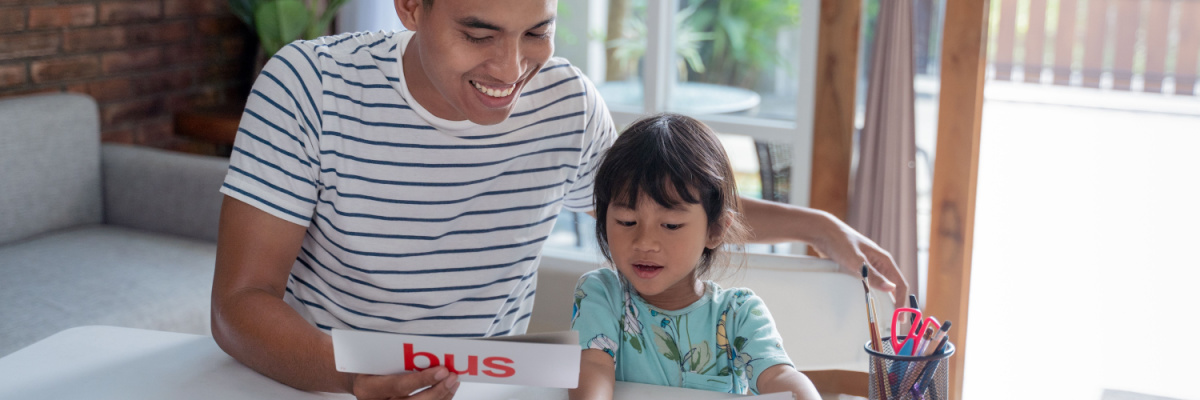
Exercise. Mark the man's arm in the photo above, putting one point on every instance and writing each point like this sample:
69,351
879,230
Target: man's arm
772,222
596,376
251,322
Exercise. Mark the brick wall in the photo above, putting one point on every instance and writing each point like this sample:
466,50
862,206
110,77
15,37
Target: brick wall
142,60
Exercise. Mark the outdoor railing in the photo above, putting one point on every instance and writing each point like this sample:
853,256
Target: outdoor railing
1080,42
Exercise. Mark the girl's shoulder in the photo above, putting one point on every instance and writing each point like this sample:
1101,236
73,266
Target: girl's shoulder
600,277
735,298
600,283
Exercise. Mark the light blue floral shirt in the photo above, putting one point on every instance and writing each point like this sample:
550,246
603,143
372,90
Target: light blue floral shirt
720,343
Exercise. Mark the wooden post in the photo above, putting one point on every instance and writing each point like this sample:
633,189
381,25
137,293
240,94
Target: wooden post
1189,46
1035,41
1006,35
833,140
1128,18
955,171
1157,45
1093,50
1064,43
833,118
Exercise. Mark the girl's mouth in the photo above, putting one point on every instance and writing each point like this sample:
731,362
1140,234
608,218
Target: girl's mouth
647,271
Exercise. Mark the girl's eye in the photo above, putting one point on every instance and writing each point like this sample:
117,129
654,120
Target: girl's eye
625,223
672,226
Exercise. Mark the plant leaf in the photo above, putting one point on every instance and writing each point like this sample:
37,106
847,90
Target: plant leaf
244,10
279,22
319,25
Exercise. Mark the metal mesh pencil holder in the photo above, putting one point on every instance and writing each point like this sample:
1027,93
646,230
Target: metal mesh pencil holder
894,377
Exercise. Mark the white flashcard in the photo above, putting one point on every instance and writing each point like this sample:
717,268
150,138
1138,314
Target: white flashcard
548,360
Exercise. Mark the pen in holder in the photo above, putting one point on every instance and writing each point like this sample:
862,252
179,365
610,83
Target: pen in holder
909,377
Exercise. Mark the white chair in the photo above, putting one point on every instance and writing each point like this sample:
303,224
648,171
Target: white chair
819,310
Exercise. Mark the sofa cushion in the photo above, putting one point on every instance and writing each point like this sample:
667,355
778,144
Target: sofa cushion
162,191
103,275
49,164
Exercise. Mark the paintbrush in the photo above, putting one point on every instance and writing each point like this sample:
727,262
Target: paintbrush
876,342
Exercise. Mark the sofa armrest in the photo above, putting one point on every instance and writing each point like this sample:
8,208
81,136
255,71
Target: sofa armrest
161,191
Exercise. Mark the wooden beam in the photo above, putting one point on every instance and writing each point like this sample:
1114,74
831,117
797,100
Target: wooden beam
955,172
833,116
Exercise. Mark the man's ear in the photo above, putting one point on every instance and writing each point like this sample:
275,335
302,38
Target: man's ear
410,13
716,234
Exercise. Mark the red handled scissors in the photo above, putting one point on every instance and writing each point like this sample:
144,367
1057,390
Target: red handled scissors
912,341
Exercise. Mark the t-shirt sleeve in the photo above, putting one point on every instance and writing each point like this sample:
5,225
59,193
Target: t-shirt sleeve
275,164
761,346
601,133
597,310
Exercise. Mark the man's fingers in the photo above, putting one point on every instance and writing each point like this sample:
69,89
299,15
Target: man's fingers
426,378
887,276
402,385
444,390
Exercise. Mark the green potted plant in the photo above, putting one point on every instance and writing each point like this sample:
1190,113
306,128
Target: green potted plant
279,22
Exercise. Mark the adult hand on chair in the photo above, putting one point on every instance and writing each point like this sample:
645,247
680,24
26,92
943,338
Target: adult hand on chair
851,250
772,222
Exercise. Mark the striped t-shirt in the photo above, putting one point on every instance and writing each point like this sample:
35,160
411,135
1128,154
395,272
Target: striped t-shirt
415,224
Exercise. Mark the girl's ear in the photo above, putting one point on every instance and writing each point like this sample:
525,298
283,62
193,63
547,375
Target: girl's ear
716,233
410,12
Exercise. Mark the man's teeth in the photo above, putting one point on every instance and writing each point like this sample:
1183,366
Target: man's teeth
494,92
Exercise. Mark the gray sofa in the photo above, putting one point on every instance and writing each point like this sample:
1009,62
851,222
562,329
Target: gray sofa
99,234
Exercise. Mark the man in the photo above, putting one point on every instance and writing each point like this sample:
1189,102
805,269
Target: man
405,182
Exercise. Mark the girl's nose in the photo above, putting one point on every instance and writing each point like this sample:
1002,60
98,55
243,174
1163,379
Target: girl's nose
643,240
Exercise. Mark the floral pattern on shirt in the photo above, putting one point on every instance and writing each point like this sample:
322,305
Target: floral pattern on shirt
720,342
601,342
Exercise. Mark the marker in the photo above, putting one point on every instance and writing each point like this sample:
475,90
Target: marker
912,303
940,338
926,376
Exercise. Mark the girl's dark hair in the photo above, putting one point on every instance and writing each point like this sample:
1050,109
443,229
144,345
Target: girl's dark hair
673,159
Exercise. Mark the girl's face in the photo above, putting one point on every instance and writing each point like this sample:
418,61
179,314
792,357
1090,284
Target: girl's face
657,249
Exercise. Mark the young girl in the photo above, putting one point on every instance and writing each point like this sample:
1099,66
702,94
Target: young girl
665,204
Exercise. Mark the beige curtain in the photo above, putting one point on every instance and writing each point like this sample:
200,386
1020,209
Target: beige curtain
883,205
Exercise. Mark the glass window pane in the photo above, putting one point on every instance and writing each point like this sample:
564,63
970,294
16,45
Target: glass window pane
755,162
574,230
624,39
737,58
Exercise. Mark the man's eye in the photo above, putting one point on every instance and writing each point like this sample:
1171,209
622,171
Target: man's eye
543,35
672,226
473,39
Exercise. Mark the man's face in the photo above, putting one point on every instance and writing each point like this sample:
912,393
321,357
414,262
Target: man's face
470,59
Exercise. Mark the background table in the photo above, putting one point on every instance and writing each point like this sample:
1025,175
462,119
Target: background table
102,362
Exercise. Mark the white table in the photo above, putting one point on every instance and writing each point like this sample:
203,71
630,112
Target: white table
102,362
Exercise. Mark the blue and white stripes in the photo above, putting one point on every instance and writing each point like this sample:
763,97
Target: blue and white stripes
415,225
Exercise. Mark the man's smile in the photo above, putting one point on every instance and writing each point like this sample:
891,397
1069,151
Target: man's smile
494,91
